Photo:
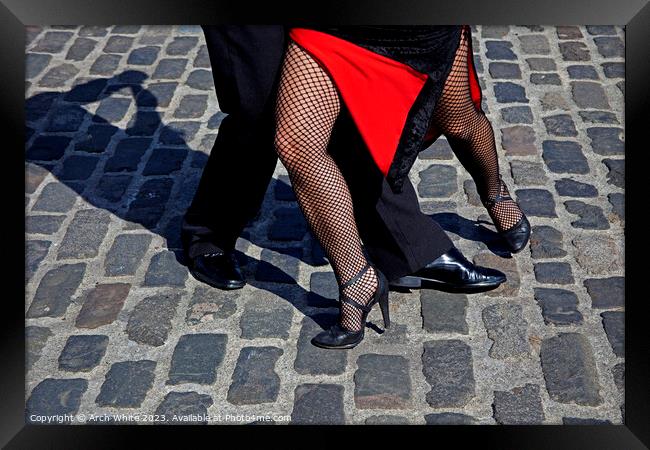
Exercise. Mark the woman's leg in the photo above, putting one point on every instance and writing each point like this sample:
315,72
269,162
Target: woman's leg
471,137
307,106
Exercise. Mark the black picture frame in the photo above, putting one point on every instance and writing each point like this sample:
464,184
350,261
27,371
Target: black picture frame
633,14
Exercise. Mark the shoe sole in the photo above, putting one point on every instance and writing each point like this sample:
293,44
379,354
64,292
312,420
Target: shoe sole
225,287
410,282
328,347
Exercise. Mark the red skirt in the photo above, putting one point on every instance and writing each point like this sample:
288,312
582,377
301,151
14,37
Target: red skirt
378,91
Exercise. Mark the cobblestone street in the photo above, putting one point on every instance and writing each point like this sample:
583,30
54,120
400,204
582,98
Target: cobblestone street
120,121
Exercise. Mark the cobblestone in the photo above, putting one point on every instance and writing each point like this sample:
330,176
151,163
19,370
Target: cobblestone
83,352
443,313
559,306
447,367
255,380
520,406
196,358
382,382
507,329
570,370
127,384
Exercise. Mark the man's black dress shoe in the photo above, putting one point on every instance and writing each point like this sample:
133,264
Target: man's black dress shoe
452,272
219,270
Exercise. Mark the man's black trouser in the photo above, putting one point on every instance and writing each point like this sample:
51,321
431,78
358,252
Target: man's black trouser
246,62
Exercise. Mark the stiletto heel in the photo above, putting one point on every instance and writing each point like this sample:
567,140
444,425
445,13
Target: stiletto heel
339,337
383,305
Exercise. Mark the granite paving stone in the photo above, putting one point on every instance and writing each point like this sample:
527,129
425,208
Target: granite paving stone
618,372
35,63
570,369
196,358
541,64
616,175
254,380
118,44
144,56
447,367
82,353
443,312
614,324
507,329
560,125
266,316
545,78
553,272
559,306
102,304
617,200
519,406
598,117
589,94
574,51
318,404
55,291
614,69
181,45
597,254
47,148
184,408
150,320
80,49
35,340
382,382
437,181
567,187
536,202
506,265
112,188
207,305
35,253
564,157
507,92
449,419
518,140
591,217
85,234
606,293
606,141
55,398
52,42
610,47
440,149
386,420
528,173
581,72
126,384
517,114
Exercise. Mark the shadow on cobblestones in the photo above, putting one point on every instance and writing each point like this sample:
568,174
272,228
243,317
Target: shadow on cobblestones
150,204
112,188
472,231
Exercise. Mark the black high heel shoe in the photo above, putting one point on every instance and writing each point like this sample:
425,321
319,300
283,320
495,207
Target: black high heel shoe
517,236
339,337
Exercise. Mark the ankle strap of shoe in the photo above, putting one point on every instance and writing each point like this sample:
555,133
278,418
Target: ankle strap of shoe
355,278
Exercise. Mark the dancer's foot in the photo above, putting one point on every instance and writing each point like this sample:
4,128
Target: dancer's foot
218,269
354,312
508,218
452,272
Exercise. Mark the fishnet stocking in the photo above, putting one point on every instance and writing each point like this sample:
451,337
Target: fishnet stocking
307,107
471,137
